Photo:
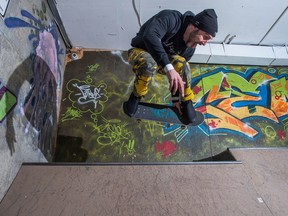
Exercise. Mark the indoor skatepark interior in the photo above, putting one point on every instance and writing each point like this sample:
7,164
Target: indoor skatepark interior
67,148
110,164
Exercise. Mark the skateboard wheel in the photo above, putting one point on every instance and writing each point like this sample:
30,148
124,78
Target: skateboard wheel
138,120
183,126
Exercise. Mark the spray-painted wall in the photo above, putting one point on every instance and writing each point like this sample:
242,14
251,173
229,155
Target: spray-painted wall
244,106
31,65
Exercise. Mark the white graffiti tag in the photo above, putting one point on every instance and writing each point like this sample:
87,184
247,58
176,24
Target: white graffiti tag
88,95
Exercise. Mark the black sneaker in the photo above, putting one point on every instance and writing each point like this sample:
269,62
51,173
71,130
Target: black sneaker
130,106
188,111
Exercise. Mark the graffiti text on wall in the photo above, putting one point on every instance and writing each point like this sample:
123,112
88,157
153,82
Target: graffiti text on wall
231,99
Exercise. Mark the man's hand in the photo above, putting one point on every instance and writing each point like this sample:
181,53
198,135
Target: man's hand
176,82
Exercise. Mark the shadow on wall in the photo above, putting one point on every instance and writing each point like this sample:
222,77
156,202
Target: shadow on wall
39,105
69,149
43,71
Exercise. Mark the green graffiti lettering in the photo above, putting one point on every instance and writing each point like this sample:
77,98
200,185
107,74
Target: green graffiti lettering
111,132
71,114
93,68
270,132
130,147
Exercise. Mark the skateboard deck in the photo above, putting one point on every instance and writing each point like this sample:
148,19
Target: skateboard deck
164,113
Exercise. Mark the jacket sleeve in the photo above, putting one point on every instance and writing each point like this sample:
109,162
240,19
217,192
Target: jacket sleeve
155,31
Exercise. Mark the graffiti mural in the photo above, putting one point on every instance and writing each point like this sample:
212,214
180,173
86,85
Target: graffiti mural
41,103
231,100
85,97
7,101
243,107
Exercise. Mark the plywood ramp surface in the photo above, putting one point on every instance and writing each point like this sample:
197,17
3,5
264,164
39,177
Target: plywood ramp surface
198,189
268,171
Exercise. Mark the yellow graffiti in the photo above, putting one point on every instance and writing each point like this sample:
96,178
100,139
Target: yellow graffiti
227,121
231,88
242,112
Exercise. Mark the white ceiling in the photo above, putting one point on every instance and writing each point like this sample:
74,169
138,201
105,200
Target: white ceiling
111,24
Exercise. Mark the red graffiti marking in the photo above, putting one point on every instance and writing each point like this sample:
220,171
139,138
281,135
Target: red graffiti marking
201,109
278,95
281,134
197,89
213,124
167,148
225,83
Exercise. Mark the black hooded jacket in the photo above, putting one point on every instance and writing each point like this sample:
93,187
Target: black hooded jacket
162,34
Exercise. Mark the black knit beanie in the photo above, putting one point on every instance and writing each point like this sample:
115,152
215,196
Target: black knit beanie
206,21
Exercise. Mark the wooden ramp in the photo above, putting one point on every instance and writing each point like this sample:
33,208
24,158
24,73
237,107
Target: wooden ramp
257,185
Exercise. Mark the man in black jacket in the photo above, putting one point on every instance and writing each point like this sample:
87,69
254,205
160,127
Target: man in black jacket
165,44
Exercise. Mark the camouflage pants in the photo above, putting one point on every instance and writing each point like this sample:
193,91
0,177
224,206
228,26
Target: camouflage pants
144,67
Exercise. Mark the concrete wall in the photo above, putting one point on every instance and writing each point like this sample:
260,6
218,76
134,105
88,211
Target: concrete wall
31,70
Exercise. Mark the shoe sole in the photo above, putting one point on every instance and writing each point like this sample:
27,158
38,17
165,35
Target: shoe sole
125,110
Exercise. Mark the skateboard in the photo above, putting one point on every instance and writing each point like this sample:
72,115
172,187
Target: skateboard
164,113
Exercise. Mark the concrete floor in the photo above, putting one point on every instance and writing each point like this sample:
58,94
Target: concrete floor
254,185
